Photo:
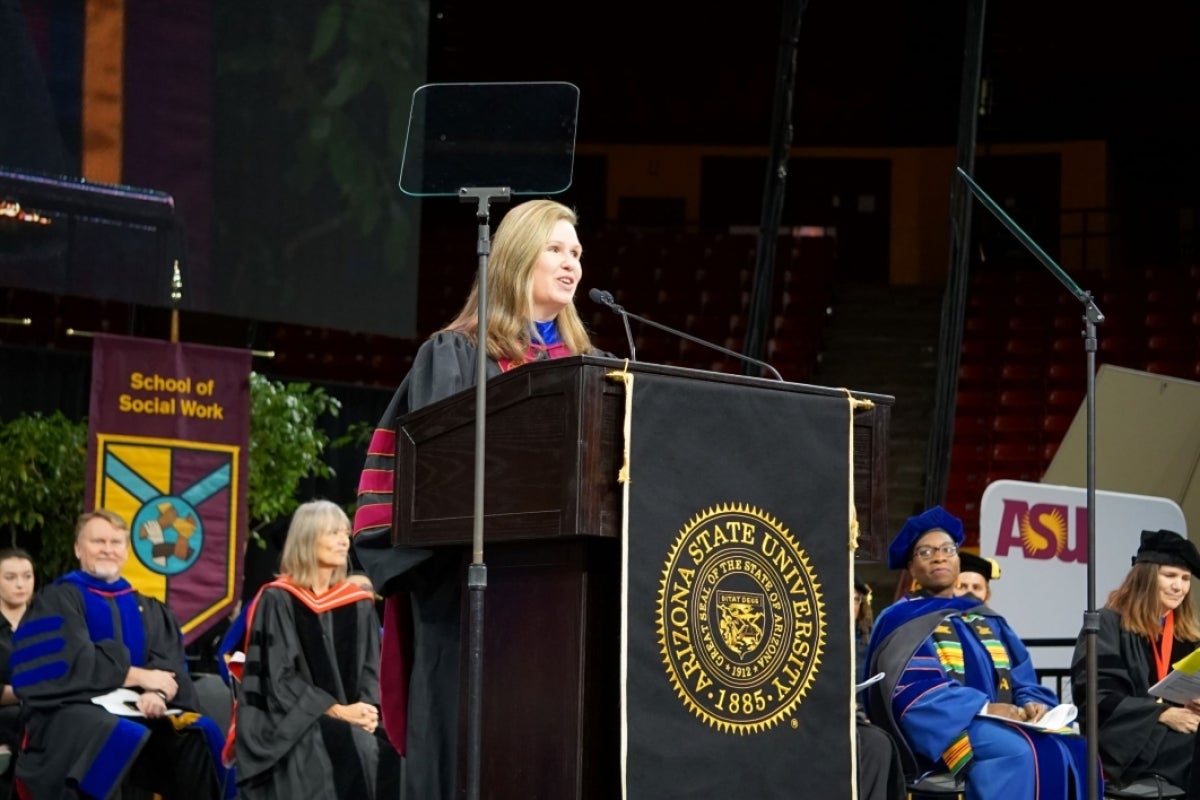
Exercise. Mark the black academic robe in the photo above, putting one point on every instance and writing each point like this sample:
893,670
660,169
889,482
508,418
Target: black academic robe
1132,741
420,663
10,716
58,667
422,591
305,654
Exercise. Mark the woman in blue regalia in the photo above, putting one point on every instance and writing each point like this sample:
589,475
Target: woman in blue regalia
960,690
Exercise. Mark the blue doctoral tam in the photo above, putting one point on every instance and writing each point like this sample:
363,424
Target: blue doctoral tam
936,518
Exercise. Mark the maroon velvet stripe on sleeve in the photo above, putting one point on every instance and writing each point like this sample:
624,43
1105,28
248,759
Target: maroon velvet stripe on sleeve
383,443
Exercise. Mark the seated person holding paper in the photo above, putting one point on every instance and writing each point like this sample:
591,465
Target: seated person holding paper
1148,623
84,636
959,681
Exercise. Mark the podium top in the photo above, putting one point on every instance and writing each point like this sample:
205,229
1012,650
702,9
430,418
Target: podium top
709,375
554,440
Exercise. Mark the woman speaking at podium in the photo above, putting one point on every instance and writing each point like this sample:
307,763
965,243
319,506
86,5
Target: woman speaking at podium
533,274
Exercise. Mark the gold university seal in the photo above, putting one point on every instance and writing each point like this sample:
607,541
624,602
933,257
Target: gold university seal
741,621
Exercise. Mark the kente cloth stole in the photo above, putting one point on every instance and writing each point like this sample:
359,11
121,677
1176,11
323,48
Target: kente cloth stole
950,653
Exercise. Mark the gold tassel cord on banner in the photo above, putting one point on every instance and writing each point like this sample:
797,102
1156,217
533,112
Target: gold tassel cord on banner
852,529
91,334
856,404
623,477
626,377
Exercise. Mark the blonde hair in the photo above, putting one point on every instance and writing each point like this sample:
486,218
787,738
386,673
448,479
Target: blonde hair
112,517
299,560
519,240
1136,600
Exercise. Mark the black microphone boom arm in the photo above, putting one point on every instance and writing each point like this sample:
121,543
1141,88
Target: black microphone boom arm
606,299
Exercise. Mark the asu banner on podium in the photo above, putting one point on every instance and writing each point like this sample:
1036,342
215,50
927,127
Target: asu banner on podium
168,434
737,679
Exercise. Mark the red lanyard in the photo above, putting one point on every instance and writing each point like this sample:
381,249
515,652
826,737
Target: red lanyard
1162,653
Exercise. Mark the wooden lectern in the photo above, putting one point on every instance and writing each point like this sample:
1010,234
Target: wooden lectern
552,525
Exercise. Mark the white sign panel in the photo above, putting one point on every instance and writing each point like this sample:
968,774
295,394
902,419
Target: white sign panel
1038,534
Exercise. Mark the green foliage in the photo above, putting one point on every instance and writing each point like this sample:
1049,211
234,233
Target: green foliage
286,445
42,460
341,75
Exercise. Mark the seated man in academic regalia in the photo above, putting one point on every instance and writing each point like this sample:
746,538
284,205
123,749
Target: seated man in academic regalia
975,576
85,636
960,691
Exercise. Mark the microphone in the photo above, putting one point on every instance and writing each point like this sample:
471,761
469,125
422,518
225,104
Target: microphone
606,299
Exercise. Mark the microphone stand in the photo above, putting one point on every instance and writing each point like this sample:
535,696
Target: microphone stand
477,570
606,299
1091,617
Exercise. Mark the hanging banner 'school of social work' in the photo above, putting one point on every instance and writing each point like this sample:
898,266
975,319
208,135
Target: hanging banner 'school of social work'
167,445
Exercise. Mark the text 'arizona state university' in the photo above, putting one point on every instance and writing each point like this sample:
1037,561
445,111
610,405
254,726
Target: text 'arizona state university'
741,621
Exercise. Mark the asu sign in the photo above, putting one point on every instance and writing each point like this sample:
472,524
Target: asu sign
1038,534
1040,530
167,444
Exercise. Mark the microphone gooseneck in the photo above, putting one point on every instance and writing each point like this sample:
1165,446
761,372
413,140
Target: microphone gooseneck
606,299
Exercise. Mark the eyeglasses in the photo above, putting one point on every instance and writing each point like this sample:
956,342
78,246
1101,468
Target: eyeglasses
925,553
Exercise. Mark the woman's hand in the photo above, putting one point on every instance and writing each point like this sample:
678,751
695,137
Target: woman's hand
1183,720
1009,711
364,715
1033,711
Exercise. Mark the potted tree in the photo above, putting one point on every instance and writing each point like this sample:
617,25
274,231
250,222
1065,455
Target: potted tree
286,446
42,462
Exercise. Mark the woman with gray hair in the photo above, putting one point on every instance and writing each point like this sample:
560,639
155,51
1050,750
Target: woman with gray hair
307,722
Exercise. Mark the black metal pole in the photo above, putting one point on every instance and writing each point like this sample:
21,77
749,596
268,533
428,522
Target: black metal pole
954,299
1091,618
775,183
477,570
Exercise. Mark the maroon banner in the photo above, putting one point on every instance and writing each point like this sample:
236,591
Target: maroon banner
168,437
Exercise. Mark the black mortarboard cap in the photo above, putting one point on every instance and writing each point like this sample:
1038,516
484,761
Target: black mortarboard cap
969,562
1170,548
